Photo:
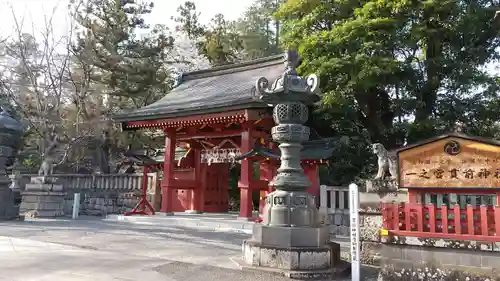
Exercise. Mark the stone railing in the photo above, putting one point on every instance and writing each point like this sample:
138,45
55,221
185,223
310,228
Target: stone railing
334,202
102,194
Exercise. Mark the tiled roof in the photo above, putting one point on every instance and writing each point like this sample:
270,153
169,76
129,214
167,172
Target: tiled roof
210,91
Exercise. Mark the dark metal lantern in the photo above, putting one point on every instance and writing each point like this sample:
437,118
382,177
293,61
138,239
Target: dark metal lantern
11,132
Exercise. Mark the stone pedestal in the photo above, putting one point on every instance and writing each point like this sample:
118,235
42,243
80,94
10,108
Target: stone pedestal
9,208
42,197
296,252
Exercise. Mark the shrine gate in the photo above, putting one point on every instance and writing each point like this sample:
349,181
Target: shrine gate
212,119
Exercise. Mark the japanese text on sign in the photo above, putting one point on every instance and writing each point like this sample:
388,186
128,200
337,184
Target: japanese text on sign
454,173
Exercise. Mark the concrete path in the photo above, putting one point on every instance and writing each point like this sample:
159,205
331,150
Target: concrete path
218,222
94,249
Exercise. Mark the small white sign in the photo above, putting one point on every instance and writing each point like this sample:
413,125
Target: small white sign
355,243
76,206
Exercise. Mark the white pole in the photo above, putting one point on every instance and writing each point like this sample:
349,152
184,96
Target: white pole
354,216
76,205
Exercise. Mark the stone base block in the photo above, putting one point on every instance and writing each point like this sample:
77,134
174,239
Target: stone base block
277,236
192,212
42,203
44,187
9,210
291,258
43,179
297,263
382,185
341,269
33,214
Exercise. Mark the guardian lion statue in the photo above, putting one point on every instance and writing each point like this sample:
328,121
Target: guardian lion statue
387,165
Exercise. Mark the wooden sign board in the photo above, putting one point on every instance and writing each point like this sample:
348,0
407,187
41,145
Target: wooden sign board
450,163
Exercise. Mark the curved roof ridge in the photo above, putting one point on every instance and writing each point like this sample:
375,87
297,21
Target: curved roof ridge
232,68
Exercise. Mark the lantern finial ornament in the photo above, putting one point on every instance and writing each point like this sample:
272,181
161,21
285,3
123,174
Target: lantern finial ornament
296,88
291,62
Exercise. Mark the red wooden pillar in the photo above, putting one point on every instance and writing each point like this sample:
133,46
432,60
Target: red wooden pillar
168,172
273,168
246,177
312,173
266,175
198,191
203,186
498,198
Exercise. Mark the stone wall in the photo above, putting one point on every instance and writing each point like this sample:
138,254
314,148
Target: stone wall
370,216
417,259
102,203
103,194
334,204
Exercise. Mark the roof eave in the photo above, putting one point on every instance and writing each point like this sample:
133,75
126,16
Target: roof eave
124,118
449,135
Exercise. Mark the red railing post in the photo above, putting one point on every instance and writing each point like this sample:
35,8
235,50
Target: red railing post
395,216
407,216
483,219
432,218
470,220
444,218
457,219
420,217
497,221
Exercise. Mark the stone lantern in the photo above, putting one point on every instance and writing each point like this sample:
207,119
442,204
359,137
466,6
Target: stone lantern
11,132
291,239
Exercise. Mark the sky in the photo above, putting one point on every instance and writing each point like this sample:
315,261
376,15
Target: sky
33,13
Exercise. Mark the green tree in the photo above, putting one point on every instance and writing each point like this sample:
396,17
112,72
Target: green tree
396,71
219,42
391,60
188,20
132,65
259,31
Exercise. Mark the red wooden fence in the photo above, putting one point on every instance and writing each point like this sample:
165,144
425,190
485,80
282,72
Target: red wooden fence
419,220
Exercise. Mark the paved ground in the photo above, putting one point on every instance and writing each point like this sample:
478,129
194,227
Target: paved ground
93,249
